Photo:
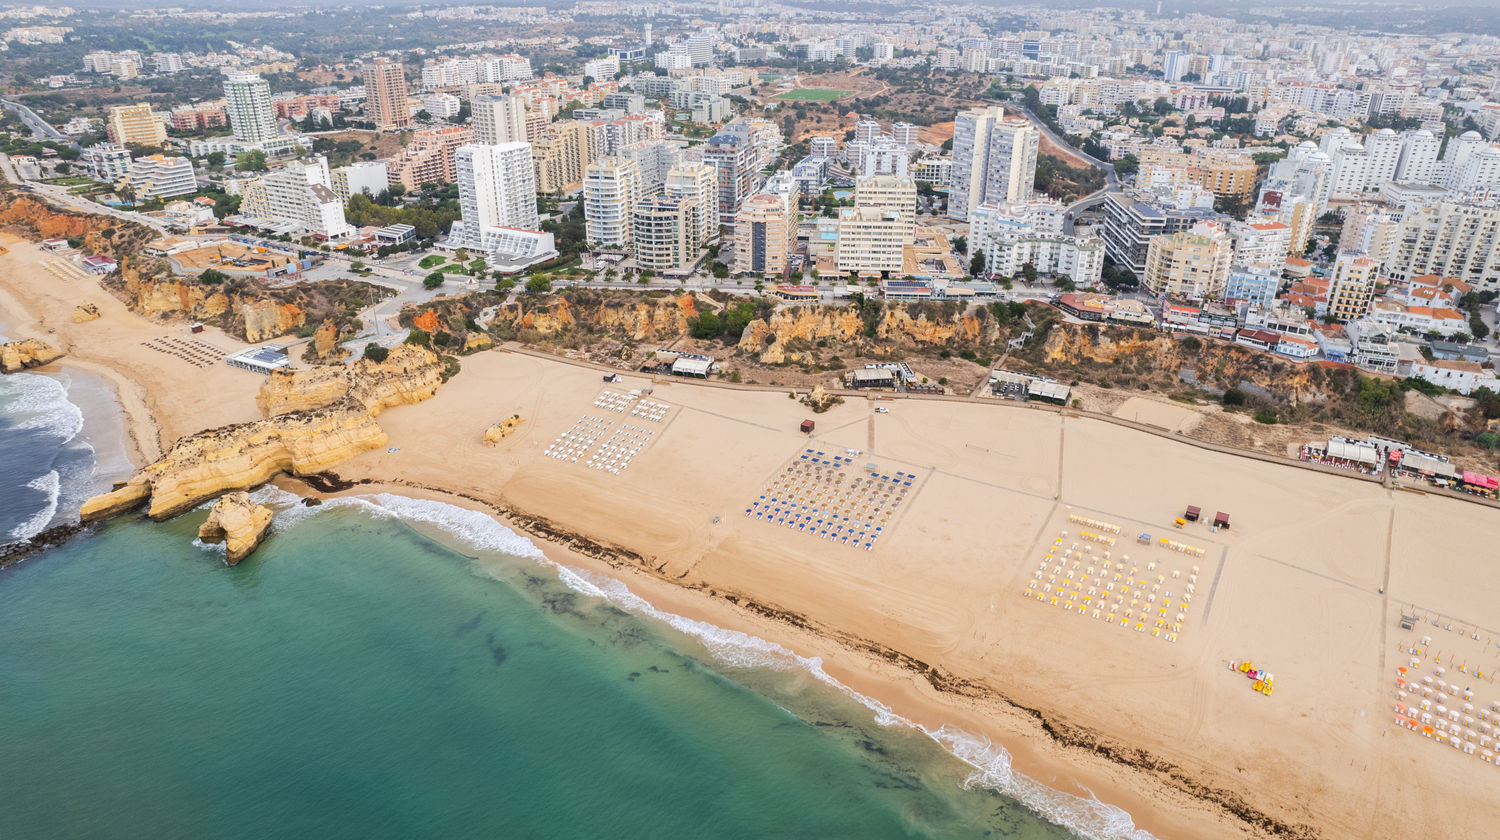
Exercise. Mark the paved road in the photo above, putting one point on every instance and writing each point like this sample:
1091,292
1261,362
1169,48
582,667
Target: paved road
39,127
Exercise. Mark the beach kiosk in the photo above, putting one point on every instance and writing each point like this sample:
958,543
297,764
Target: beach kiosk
807,427
1193,512
1221,521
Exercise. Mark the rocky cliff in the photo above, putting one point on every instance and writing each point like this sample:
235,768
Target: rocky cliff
788,334
1121,351
266,319
319,420
26,354
238,523
638,320
101,234
409,374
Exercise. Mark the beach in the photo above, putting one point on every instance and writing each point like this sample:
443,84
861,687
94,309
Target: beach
934,623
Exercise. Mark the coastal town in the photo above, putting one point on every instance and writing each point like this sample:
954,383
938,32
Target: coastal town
1137,351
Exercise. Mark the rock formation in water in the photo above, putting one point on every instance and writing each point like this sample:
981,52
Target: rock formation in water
238,523
316,419
26,354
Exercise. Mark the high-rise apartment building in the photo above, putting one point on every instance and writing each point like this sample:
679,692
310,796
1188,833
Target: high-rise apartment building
498,119
1352,286
896,193
611,189
296,198
563,152
136,124
994,160
700,182
247,99
385,95
764,229
733,158
662,228
430,157
1450,238
496,194
1192,265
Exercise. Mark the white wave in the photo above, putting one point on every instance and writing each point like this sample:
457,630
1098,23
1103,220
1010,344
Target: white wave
51,484
220,548
1088,818
991,763
43,403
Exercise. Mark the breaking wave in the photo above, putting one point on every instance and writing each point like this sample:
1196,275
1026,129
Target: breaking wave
990,763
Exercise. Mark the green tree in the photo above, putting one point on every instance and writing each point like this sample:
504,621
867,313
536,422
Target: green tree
421,338
212,277
375,353
707,326
539,285
1028,271
976,264
251,161
433,280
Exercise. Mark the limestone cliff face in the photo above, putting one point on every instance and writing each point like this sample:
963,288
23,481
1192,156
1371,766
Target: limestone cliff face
267,319
898,326
322,417
85,312
326,342
769,338
409,374
1071,344
26,354
238,523
202,466
101,234
659,320
151,296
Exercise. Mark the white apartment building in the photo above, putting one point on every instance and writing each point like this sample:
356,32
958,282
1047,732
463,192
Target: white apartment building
106,161
994,160
161,176
611,189
440,106
496,192
1450,238
366,176
1012,235
699,182
498,119
296,198
1261,242
247,100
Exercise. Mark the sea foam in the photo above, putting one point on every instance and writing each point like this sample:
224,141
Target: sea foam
49,483
990,763
42,402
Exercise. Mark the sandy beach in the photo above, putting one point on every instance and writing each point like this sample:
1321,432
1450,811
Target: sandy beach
940,619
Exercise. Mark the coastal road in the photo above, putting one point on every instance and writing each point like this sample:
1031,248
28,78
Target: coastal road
39,127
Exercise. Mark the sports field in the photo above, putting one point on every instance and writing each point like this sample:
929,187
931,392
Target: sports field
813,94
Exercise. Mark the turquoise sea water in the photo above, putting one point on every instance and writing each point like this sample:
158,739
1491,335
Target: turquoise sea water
387,667
357,679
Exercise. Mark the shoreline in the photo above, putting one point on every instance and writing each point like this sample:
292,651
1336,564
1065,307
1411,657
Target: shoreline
918,694
1061,724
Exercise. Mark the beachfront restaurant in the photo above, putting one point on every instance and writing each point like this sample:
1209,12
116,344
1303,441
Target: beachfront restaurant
1343,453
1420,465
1479,484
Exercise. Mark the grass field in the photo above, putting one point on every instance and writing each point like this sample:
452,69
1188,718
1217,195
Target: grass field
813,94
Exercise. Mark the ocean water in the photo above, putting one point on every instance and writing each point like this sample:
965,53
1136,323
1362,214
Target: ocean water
388,667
